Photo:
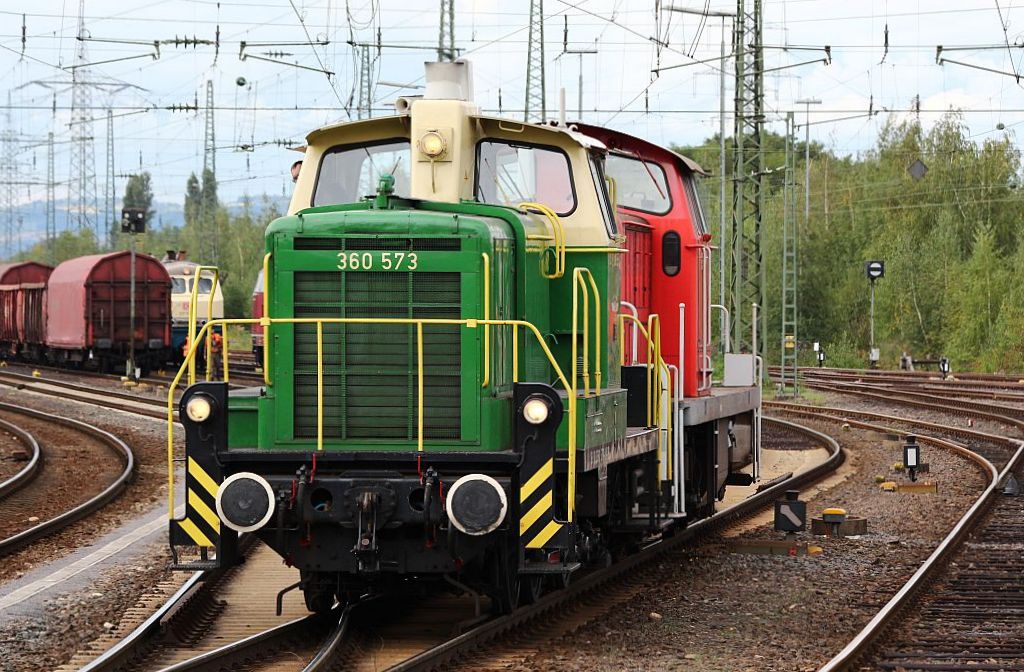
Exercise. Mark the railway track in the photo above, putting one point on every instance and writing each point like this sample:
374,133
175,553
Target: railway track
115,399
566,609
960,381
961,609
998,413
34,462
30,502
215,619
378,634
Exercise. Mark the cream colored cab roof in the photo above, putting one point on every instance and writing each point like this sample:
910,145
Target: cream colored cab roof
454,180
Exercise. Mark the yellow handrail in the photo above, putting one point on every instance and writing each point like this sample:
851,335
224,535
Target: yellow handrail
265,321
192,310
487,315
652,335
578,282
319,386
515,354
654,360
569,387
671,415
581,271
419,386
557,232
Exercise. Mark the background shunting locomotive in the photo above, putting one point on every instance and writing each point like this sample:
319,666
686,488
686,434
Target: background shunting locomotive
450,390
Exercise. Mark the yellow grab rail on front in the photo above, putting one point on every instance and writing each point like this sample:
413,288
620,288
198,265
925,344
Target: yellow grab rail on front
558,233
569,387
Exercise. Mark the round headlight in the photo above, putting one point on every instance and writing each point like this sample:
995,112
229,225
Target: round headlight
432,144
199,408
535,410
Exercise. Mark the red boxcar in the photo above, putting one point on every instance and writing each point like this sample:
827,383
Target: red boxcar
88,310
22,292
670,245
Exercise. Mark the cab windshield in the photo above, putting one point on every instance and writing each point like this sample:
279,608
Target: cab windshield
177,285
351,172
510,174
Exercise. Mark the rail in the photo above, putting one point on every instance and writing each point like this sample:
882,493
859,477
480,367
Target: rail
659,378
486,260
569,386
726,335
580,289
31,468
193,309
850,656
557,232
554,605
653,355
91,505
633,342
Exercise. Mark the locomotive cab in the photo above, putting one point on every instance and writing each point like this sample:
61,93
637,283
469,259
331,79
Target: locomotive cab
445,397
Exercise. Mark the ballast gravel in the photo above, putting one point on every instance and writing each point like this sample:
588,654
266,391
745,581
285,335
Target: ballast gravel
710,609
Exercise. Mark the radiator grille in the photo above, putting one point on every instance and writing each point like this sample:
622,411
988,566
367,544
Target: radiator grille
393,244
370,378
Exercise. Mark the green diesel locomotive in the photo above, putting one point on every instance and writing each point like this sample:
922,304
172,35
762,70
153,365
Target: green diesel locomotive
445,396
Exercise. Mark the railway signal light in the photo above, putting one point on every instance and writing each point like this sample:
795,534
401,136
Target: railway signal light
912,456
944,366
875,270
133,220
821,358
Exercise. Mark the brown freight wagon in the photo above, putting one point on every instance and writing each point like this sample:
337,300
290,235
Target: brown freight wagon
88,311
22,309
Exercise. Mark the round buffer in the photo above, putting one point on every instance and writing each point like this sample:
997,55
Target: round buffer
477,504
245,502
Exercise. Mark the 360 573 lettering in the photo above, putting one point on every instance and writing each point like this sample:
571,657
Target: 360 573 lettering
382,261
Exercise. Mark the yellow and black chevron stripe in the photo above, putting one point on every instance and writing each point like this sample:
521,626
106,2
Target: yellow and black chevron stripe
200,523
537,524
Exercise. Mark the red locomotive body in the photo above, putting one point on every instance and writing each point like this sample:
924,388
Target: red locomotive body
669,262
667,271
88,310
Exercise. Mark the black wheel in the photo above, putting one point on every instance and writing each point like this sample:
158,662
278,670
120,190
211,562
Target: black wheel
559,581
318,600
505,585
531,589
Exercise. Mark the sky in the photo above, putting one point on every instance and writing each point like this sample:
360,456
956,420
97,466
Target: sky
261,107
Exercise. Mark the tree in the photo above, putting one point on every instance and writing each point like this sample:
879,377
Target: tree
67,245
138,193
193,198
